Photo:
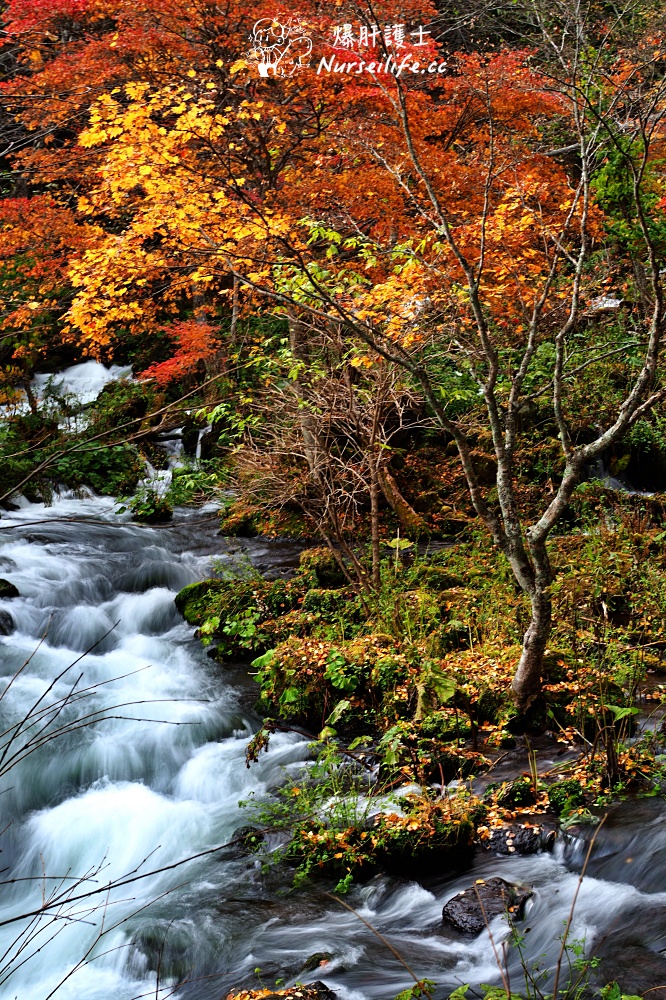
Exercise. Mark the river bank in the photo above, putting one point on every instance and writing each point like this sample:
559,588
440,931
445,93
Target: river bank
130,789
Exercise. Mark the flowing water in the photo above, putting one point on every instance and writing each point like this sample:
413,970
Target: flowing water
158,777
101,800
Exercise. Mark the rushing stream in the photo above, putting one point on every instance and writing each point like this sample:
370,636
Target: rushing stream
99,801
149,770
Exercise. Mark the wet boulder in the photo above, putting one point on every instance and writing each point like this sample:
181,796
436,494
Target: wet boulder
469,911
8,590
520,838
316,961
7,625
250,838
320,566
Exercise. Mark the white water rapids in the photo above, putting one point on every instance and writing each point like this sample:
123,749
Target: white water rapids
110,795
159,778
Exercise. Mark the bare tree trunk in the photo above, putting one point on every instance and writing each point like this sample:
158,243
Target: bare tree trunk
526,683
30,396
374,522
235,304
308,422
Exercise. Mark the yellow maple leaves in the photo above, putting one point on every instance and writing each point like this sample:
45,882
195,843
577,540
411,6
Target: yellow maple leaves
181,227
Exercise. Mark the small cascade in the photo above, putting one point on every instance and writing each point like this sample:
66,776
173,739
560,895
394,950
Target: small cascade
81,384
84,381
150,793
202,434
160,480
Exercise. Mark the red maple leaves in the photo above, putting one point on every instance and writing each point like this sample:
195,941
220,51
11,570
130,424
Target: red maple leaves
197,342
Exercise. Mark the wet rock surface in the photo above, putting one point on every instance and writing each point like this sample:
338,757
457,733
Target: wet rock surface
8,590
519,838
469,911
6,623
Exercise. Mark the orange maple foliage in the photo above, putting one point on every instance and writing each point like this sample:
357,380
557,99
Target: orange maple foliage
182,166
197,342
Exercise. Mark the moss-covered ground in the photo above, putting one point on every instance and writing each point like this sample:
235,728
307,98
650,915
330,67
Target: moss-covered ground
412,682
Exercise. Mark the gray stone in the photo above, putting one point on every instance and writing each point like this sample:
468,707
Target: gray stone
469,911
7,625
519,839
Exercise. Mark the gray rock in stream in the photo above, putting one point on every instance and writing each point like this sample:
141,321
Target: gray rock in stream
519,838
8,590
469,911
7,625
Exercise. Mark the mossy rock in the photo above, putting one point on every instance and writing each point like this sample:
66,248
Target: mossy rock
320,566
442,846
151,509
194,600
450,636
439,578
389,671
238,522
330,604
226,598
237,615
445,726
8,590
565,795
517,793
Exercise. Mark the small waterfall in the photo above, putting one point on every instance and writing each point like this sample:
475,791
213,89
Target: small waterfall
202,434
158,779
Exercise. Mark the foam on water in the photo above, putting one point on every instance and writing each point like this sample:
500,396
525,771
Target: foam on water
159,778
85,381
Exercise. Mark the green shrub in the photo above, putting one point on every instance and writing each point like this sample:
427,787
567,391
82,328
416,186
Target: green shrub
565,795
109,471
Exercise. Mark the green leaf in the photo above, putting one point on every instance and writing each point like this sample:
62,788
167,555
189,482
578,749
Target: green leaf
210,625
338,712
443,686
290,696
263,660
611,992
400,544
460,993
622,712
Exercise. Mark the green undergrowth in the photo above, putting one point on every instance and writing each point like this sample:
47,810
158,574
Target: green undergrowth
337,821
417,673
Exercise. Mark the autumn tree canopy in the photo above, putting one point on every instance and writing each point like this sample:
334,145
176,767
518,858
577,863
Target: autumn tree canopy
394,178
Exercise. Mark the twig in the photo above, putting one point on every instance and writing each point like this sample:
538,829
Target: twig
567,928
374,931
